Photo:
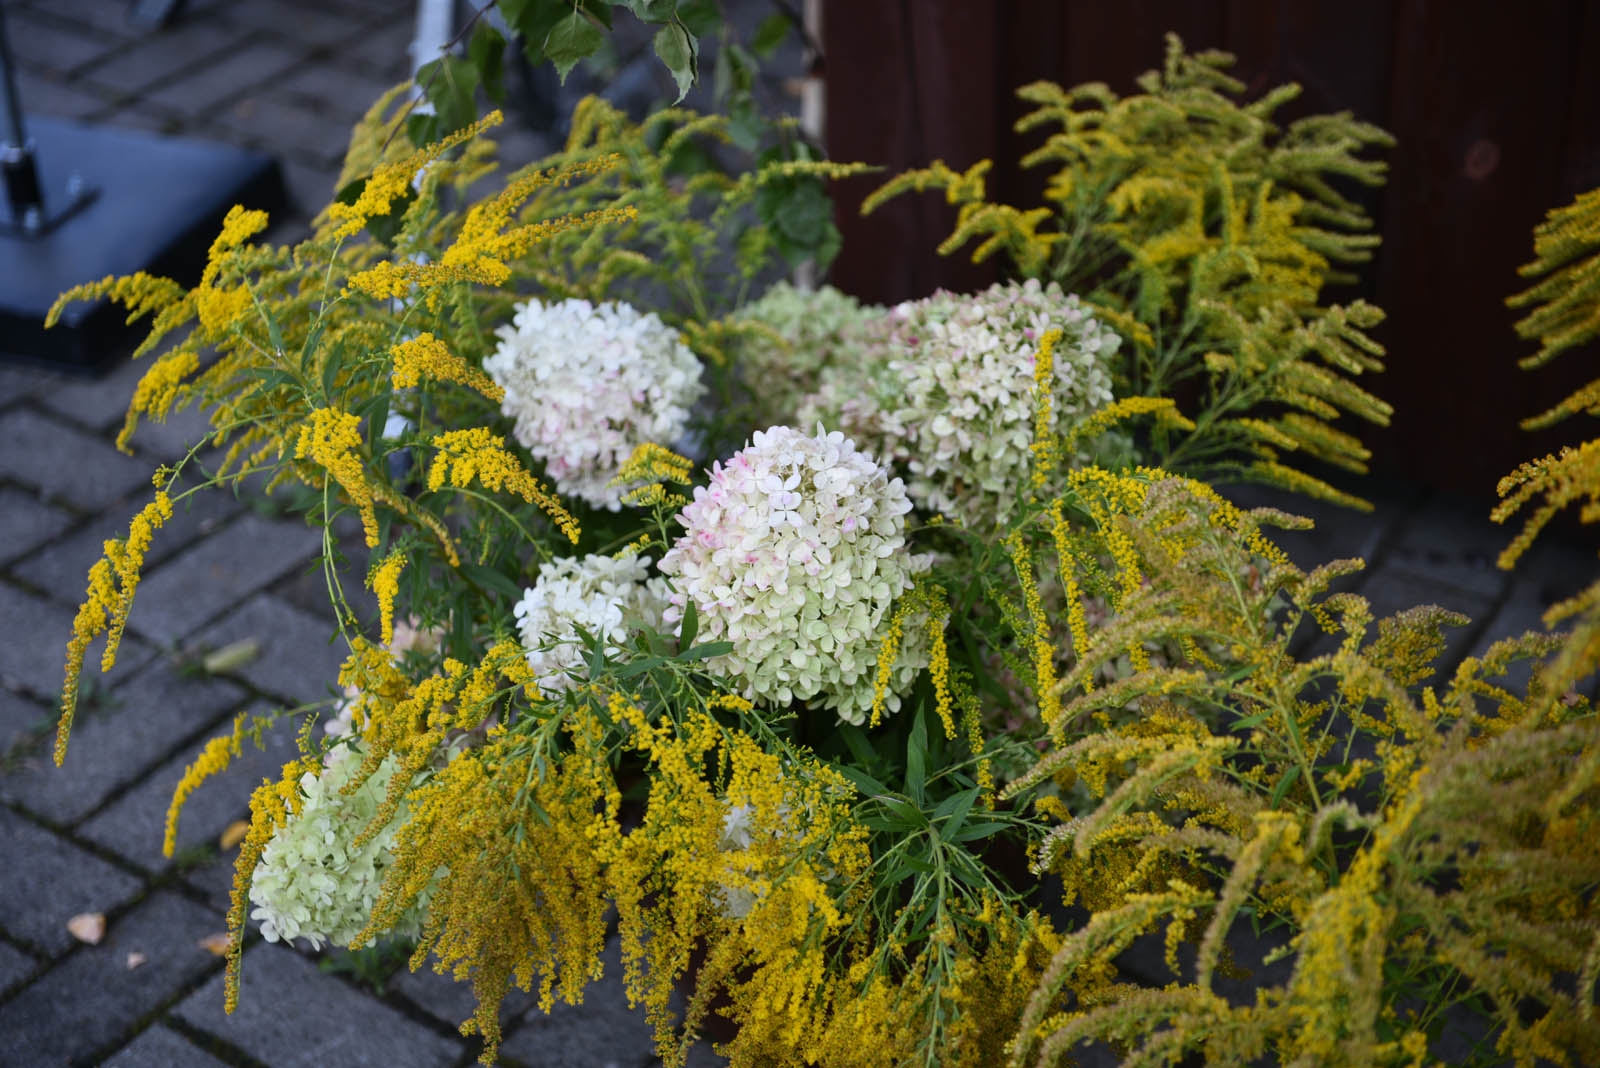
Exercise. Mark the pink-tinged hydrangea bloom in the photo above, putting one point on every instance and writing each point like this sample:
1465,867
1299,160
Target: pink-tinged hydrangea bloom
605,597
588,384
795,552
947,391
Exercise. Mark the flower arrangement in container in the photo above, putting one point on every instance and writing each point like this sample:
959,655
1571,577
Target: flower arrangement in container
890,705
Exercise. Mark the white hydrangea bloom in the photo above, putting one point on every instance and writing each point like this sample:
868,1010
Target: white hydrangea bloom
597,593
795,553
310,883
948,392
588,384
821,327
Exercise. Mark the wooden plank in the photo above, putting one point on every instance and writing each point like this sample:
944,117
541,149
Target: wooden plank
907,83
1478,103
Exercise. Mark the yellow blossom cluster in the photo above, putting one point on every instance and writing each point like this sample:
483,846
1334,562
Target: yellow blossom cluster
478,453
425,356
332,439
107,601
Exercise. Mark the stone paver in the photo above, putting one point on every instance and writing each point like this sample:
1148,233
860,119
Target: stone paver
27,522
165,56
97,403
151,714
162,1047
34,654
133,826
333,1025
62,567
227,78
85,1004
295,660
45,46
207,579
58,881
65,463
15,966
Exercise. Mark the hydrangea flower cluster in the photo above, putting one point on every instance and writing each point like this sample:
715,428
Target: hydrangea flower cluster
600,594
795,553
588,384
309,882
823,327
949,391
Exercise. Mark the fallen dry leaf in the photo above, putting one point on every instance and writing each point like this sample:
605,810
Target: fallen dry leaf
136,959
215,943
234,834
234,655
88,927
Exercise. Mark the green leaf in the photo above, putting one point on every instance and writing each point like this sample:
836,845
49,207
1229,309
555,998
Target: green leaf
677,48
917,758
652,10
865,783
533,20
572,39
451,83
855,739
490,579
701,18
639,667
770,34
706,651
953,811
487,52
981,829
1283,785
910,815
691,624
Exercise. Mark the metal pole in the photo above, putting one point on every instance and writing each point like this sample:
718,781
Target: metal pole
16,151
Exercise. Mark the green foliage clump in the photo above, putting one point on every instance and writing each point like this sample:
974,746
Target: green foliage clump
1206,235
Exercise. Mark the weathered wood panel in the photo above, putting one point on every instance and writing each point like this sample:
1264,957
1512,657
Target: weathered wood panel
1496,108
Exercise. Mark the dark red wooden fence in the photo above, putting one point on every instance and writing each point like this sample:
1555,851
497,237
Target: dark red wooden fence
1495,105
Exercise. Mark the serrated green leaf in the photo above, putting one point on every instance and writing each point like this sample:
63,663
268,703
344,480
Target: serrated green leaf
533,20
770,34
571,40
701,18
676,48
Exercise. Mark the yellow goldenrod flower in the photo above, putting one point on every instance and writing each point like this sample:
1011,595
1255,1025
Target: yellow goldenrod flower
425,356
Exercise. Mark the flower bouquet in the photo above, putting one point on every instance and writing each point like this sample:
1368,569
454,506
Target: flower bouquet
889,672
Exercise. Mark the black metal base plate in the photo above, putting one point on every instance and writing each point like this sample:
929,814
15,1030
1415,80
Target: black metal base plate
161,201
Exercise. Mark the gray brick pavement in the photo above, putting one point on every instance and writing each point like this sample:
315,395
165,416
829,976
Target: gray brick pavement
27,522
79,1009
216,574
295,661
134,825
152,715
333,1025
162,1047
66,464
15,966
35,650
62,567
58,881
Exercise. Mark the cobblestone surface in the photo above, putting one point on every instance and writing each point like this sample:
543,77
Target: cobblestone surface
288,76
